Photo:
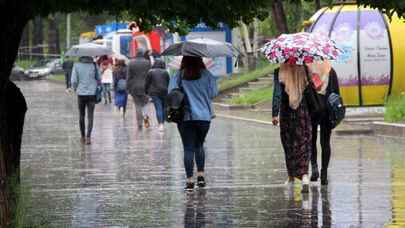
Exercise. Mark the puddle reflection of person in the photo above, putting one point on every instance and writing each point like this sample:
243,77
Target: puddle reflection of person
325,208
194,214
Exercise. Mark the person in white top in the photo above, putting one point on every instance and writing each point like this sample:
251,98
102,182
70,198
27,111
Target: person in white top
107,80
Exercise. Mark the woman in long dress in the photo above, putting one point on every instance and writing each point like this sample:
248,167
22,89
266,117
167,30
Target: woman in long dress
290,108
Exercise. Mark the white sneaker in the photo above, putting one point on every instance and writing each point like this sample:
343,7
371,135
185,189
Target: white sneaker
161,127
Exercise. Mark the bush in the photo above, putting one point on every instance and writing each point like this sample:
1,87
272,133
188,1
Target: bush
239,79
395,109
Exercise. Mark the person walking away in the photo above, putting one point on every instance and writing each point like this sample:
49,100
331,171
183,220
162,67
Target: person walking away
67,69
330,85
107,80
120,83
157,82
200,87
85,76
290,110
136,74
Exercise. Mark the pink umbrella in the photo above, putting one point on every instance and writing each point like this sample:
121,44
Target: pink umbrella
300,48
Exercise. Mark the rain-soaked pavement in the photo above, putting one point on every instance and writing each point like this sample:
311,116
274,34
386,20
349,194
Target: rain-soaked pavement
128,178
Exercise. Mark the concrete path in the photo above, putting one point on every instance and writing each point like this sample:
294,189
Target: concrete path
131,178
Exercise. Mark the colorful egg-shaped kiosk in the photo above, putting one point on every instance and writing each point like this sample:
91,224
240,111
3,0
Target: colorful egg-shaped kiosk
373,64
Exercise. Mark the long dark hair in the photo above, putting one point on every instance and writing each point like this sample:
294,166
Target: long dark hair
192,67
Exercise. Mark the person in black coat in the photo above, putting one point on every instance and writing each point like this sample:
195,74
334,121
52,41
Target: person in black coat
157,82
67,67
331,85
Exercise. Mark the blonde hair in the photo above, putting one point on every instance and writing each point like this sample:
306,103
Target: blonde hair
295,80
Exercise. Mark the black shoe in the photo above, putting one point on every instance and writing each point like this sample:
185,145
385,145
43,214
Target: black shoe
324,177
201,182
189,186
314,175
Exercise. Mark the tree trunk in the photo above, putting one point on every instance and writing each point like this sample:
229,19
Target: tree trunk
255,39
249,53
318,4
53,36
279,16
38,37
25,41
12,107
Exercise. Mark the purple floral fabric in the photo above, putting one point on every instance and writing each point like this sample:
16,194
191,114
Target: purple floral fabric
296,137
300,48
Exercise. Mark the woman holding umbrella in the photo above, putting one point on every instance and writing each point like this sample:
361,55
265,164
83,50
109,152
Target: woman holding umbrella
200,88
290,108
293,95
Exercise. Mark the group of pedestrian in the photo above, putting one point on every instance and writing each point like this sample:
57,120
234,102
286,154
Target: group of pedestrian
299,123
297,87
142,80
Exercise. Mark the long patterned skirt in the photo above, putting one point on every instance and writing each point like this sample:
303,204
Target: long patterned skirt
296,137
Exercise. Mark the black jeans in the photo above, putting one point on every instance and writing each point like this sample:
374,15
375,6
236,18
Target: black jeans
88,102
323,121
67,80
193,135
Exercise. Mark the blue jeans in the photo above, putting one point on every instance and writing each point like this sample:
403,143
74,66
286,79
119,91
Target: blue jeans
159,103
193,135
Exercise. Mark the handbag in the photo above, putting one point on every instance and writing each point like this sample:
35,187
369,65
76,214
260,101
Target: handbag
99,87
314,100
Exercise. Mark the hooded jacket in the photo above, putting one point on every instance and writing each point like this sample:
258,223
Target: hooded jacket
157,80
136,73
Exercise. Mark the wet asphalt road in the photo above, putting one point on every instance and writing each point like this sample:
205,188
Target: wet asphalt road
131,178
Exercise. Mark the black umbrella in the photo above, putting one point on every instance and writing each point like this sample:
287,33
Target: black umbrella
202,47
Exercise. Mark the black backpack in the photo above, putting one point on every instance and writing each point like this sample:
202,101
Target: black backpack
176,103
336,109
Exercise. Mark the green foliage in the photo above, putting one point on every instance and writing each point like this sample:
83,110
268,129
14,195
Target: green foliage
239,79
25,63
389,7
296,12
152,12
395,109
253,97
58,77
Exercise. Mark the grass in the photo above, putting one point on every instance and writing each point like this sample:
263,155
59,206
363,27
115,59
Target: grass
253,97
58,77
395,109
239,79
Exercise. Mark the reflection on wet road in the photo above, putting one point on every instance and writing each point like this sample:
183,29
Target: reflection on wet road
130,178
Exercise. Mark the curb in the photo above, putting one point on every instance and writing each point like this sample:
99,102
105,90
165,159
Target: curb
232,107
244,119
389,129
339,132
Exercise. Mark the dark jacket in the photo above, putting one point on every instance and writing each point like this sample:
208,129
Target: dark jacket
136,73
333,87
157,80
67,67
120,73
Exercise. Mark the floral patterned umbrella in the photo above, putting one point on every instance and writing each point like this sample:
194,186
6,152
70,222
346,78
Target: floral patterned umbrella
300,48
